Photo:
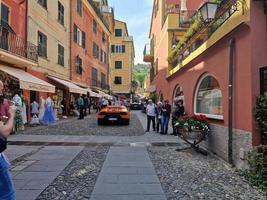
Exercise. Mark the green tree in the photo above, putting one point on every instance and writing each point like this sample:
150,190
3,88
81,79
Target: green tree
134,86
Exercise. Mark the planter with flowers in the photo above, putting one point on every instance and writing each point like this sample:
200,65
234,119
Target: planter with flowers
193,129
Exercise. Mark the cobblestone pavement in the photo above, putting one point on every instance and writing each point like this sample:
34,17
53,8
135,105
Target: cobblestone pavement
79,177
88,127
189,175
183,175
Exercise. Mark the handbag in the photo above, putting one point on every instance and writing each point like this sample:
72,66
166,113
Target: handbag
3,144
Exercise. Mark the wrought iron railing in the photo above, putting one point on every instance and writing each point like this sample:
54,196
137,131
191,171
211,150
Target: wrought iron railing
100,84
10,42
185,17
99,13
225,10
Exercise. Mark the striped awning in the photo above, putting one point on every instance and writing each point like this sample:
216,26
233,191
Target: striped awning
28,81
73,88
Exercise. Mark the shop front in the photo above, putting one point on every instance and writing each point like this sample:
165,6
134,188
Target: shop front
17,81
66,90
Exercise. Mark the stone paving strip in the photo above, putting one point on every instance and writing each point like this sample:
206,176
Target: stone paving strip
77,180
129,174
190,175
33,174
88,127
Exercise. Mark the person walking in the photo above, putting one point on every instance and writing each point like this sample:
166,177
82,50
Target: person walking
175,116
63,105
166,113
151,114
7,190
89,104
86,104
158,117
81,107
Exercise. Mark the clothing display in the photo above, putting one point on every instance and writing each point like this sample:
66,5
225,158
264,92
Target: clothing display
41,108
34,108
49,117
24,113
18,116
35,120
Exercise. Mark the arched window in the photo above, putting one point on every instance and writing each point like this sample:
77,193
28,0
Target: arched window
208,98
178,93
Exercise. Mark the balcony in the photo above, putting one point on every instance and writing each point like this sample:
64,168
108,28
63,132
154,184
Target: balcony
15,50
107,9
95,5
202,35
148,54
175,16
100,85
185,17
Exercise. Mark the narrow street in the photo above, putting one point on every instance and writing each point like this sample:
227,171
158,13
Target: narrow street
84,161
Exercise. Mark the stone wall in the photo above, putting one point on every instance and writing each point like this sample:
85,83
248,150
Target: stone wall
217,143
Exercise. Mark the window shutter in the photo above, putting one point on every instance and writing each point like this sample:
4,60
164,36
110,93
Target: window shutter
83,39
75,33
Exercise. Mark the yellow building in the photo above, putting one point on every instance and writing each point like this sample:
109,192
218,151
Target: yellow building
121,59
49,29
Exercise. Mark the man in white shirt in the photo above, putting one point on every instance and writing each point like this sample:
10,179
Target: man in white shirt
151,114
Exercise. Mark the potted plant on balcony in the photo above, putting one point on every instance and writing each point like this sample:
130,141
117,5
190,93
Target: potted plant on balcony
193,128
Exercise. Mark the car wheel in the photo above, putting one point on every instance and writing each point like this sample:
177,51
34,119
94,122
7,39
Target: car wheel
100,122
127,122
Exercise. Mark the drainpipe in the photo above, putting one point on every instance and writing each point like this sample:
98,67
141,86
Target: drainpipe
26,21
71,38
230,100
0,9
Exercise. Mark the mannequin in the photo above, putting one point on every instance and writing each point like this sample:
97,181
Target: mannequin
49,117
41,108
18,117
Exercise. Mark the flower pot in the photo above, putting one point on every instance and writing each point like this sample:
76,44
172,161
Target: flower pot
192,135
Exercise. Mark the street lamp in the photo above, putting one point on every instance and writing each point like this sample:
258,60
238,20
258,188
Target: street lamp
208,11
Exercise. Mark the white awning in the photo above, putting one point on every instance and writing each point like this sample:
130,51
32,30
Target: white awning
94,94
72,87
105,95
28,81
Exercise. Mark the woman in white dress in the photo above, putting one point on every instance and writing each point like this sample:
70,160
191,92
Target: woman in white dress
41,108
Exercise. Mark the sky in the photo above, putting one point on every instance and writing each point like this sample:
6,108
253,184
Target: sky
136,13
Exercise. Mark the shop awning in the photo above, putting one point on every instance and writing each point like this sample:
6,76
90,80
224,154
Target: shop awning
71,86
94,94
28,81
105,95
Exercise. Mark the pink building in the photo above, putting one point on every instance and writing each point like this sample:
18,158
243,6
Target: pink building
201,74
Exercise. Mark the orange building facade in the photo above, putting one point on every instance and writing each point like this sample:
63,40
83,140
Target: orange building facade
202,73
89,61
